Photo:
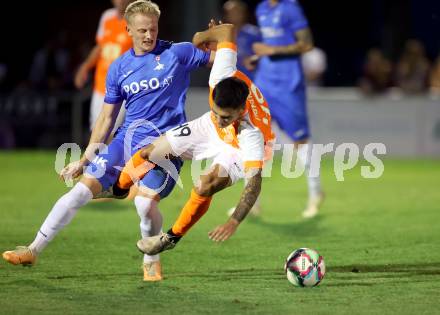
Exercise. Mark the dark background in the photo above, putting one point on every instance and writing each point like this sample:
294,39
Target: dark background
33,115
344,29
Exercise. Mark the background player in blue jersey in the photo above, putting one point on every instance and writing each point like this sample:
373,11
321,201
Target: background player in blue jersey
152,78
236,12
285,36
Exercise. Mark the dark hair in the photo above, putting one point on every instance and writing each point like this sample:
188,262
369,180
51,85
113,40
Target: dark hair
230,93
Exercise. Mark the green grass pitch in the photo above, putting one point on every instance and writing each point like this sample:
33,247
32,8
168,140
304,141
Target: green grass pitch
380,240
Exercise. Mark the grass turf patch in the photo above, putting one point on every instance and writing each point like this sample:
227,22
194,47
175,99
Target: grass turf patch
379,239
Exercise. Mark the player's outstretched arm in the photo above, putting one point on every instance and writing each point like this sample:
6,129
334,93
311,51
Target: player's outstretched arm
216,33
304,43
247,201
101,131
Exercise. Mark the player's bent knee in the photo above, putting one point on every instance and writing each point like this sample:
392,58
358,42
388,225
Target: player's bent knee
204,190
148,193
211,184
93,184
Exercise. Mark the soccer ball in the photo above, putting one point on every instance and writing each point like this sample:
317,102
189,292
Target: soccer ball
304,267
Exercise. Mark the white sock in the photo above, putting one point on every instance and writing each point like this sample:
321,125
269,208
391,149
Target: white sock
151,220
61,214
304,153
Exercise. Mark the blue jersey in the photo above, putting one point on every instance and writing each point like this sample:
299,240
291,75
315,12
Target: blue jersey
278,25
247,35
154,88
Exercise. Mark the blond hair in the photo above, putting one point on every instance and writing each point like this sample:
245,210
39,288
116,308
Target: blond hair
142,7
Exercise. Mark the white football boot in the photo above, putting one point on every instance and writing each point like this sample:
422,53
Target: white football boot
313,205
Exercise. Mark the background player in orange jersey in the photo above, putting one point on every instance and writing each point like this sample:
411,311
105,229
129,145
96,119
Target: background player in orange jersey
235,133
112,40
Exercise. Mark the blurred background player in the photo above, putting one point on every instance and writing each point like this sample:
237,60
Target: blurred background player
236,12
165,68
285,37
377,73
434,78
50,69
413,67
112,40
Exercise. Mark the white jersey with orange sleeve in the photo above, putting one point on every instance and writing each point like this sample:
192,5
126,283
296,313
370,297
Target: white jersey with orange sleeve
253,132
241,145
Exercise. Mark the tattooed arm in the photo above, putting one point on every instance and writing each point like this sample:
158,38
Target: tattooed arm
304,43
249,196
247,200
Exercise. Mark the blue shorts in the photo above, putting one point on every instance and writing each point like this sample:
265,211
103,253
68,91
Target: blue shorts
107,166
289,110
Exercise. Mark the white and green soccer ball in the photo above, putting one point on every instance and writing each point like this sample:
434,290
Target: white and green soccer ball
304,267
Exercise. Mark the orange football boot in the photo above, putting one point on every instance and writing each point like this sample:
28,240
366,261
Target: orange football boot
21,255
152,271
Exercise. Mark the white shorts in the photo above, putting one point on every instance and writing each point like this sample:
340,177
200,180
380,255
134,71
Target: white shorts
198,140
95,109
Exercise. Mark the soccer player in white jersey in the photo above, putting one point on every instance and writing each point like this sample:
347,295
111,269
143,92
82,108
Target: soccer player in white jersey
152,78
236,133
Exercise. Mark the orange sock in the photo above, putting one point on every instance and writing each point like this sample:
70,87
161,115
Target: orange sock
136,168
193,210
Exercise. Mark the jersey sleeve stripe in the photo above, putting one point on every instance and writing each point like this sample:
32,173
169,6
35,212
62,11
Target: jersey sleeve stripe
253,164
229,45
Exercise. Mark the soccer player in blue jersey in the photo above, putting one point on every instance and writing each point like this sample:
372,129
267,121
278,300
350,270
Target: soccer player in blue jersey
285,36
236,12
152,78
